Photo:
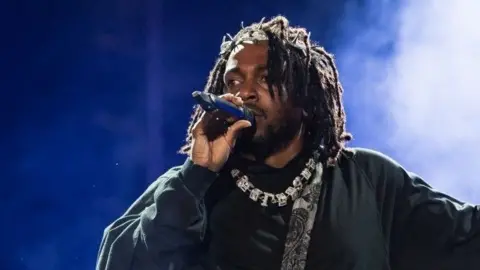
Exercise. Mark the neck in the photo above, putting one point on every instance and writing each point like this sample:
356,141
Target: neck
281,158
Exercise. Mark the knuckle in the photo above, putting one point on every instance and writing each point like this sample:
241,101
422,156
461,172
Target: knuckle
227,96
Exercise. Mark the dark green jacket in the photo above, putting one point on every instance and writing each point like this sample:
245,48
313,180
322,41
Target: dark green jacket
374,215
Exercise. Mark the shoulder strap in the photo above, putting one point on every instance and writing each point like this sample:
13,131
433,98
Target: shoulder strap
301,224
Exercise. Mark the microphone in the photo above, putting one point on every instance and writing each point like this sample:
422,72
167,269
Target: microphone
210,102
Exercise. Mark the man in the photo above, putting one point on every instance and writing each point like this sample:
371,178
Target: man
290,196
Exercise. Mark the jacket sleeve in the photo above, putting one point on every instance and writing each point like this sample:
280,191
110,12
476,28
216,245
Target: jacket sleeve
428,228
434,221
163,228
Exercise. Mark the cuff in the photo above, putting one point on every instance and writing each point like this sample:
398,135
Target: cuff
196,178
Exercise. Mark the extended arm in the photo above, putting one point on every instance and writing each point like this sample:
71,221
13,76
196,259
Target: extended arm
445,230
425,228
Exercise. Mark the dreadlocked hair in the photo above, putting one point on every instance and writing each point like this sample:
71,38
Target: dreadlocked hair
300,70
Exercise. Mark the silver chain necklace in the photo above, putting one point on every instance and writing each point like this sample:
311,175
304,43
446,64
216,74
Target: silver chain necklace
281,199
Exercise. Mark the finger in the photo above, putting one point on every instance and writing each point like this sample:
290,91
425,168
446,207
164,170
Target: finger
233,99
235,129
228,143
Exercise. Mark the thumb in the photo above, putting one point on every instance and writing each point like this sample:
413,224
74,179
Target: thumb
234,129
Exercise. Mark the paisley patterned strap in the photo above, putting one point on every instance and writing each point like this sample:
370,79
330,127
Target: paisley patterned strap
301,224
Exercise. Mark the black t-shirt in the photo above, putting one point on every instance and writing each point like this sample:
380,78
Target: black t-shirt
242,234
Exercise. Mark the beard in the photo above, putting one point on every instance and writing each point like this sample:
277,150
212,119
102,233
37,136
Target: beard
274,139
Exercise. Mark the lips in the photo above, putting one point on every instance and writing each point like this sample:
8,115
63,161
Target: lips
256,112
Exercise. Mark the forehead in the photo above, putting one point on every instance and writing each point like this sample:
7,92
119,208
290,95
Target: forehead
248,55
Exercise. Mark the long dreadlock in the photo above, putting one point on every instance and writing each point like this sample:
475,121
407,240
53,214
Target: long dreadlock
300,70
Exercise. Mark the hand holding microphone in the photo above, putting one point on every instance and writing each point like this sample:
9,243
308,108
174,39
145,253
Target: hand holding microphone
213,151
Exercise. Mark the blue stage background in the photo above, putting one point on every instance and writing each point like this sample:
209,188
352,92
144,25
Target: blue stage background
97,99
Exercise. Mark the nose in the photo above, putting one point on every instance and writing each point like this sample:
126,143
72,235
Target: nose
248,93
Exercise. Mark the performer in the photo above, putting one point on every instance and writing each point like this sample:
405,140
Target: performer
292,196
